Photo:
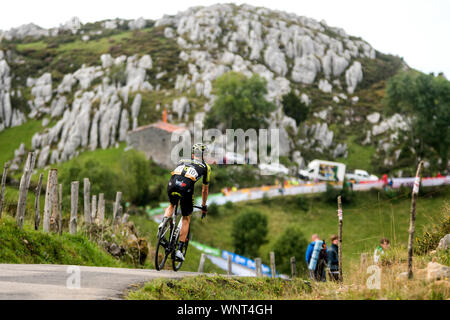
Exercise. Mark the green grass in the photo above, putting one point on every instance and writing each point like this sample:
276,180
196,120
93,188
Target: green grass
29,246
220,288
358,156
37,45
366,220
11,138
97,46
109,157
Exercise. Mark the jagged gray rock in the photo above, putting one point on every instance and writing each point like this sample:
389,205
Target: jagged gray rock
135,107
353,76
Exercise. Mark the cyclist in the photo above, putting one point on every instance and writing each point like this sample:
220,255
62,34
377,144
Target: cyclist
181,188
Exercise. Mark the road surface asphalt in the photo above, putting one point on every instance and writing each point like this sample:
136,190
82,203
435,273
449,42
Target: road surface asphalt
46,281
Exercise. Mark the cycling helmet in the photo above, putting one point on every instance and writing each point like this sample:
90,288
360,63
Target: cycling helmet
198,148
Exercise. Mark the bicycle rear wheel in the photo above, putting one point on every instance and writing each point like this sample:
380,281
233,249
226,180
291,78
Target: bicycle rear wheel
162,246
176,264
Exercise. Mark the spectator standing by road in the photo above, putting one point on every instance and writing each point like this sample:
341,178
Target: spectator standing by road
316,258
333,258
381,249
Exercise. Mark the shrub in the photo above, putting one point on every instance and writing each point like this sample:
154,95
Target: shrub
101,177
266,200
331,194
291,243
301,203
293,107
135,177
431,237
229,205
213,210
249,232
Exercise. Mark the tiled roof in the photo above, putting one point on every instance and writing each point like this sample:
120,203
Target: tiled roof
163,126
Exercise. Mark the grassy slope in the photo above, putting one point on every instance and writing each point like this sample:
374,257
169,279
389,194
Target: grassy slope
29,246
220,288
358,156
353,288
365,222
11,138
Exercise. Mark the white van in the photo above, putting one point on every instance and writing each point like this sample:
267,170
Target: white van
322,170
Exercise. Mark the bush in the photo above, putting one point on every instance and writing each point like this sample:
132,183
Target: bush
431,237
249,233
331,194
101,177
135,177
293,107
213,210
301,203
266,200
229,205
291,243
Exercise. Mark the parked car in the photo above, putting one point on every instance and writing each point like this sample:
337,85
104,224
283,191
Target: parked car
274,168
360,175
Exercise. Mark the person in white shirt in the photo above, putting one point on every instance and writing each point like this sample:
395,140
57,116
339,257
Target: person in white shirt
384,245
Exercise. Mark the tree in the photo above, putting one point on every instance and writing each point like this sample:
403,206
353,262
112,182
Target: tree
293,107
135,177
249,233
240,102
427,99
291,243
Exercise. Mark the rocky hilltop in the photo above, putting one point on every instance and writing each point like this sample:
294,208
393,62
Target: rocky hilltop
91,83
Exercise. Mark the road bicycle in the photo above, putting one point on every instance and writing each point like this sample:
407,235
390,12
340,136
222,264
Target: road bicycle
167,241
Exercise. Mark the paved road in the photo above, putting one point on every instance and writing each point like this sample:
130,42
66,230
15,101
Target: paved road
41,281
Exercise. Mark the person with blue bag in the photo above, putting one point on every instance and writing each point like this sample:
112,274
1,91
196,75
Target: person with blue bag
316,258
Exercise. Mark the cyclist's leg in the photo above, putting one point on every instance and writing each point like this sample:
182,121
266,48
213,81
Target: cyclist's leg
174,197
187,206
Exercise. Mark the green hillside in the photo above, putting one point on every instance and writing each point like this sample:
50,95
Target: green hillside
366,220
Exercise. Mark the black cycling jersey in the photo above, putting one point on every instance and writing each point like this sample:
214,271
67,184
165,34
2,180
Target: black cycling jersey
193,170
181,185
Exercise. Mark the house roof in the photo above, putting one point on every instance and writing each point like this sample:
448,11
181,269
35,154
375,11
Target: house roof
169,127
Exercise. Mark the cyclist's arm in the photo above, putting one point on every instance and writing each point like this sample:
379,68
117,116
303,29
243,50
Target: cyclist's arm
204,194
206,179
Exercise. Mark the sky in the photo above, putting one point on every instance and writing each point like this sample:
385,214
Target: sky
417,30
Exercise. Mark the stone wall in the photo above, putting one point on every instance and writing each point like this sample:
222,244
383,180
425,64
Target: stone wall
155,141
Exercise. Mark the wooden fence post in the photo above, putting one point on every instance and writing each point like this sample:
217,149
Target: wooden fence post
202,263
118,219
258,267
55,216
363,262
272,264
2,192
293,268
51,198
229,265
101,208
23,188
116,206
125,217
87,208
73,207
94,207
60,209
340,237
415,194
37,195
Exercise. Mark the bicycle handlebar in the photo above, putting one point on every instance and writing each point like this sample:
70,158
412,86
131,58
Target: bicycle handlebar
201,208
